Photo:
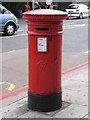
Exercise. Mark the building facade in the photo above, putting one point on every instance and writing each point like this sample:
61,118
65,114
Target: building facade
18,5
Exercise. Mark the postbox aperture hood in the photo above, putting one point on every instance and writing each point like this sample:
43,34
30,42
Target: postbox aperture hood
45,15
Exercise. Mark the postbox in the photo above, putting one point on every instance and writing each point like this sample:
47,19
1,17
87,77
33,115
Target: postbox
44,59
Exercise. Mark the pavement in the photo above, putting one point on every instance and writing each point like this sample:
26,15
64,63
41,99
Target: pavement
75,101
74,87
75,74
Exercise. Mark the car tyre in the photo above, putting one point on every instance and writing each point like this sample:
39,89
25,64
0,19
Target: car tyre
9,29
81,16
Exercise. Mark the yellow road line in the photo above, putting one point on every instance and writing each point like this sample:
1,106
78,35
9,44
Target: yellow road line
11,85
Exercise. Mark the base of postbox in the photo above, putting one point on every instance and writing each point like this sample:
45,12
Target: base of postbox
44,102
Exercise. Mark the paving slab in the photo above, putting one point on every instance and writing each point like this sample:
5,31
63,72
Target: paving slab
75,88
11,111
73,111
20,110
64,106
34,114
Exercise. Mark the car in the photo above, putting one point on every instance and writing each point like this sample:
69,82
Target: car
78,10
8,21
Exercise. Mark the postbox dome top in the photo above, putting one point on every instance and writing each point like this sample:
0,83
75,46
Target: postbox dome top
45,15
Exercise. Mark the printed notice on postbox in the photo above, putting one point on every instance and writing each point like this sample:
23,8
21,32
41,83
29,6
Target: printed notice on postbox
42,44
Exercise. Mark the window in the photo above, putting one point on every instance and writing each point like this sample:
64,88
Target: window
3,10
73,7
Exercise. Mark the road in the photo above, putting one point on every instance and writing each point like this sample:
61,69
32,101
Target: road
14,55
76,29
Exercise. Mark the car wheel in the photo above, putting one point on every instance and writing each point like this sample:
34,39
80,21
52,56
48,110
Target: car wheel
9,29
81,16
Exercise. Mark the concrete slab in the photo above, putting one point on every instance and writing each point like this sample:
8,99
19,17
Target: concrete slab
75,88
11,110
64,106
69,59
7,105
34,114
73,111
20,110
86,116
75,97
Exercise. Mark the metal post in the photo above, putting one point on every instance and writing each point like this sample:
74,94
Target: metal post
33,4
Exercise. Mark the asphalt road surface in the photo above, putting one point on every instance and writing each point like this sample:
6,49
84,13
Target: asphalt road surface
75,37
15,62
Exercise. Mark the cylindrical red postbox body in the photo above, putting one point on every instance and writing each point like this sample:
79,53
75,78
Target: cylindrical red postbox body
44,57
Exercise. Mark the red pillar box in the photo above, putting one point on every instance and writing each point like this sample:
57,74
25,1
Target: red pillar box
44,56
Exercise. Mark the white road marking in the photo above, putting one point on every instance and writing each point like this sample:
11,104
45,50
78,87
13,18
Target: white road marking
20,30
68,26
73,26
79,20
14,36
11,51
11,85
